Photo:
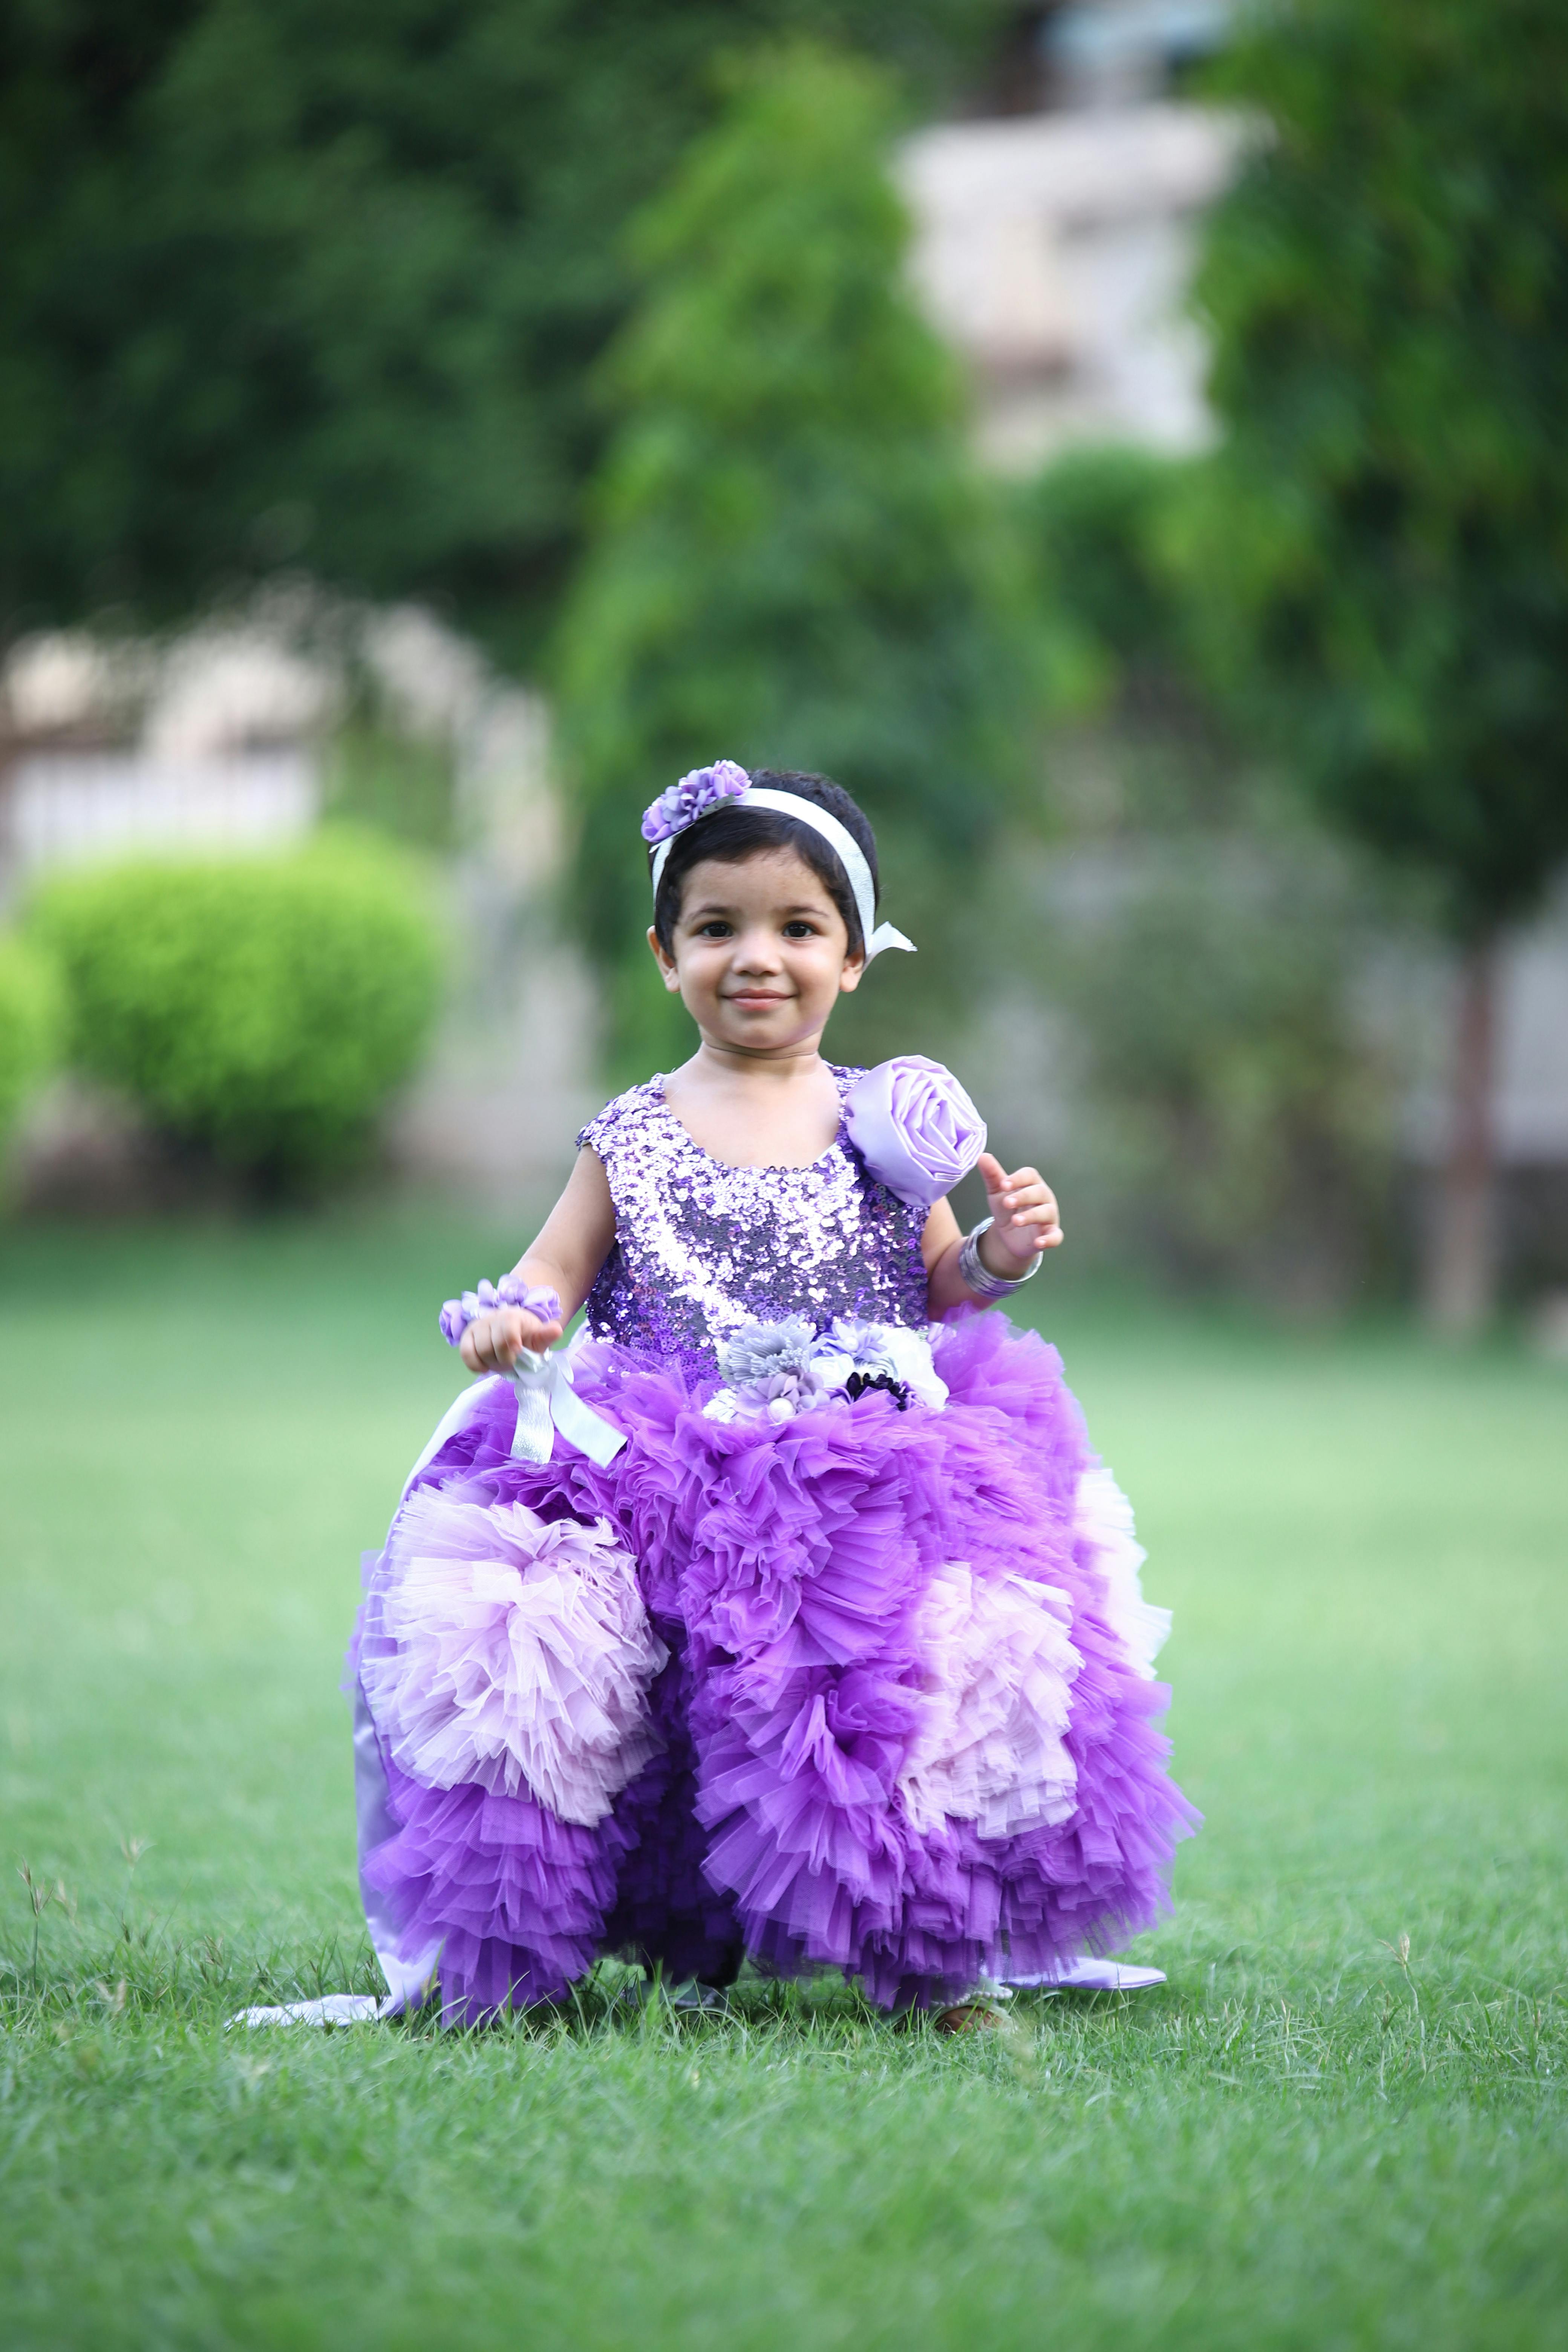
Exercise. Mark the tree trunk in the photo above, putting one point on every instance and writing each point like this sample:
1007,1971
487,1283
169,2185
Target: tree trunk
1462,1266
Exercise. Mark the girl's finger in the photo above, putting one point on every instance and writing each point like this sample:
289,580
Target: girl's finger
537,1341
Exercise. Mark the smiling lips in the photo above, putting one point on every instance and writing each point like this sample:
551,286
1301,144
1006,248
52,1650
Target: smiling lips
756,996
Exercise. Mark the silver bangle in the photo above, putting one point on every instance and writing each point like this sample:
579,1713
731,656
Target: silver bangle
977,1276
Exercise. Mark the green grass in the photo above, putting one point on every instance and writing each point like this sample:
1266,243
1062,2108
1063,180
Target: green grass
1302,2141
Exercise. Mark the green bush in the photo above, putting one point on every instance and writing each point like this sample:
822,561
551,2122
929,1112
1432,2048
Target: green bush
262,1008
30,1026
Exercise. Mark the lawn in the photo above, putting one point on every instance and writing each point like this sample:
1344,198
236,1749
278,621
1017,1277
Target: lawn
1318,2134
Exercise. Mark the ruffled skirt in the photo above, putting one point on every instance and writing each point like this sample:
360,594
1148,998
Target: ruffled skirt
871,1690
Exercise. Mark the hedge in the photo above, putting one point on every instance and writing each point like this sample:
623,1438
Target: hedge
264,1008
30,1026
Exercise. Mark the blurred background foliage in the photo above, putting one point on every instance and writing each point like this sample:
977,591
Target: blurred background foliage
1203,949
31,1026
1090,528
1375,556
792,559
313,284
258,1011
1375,553
594,332
388,779
1235,1106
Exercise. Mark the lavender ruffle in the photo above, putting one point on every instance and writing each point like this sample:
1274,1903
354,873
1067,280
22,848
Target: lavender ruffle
790,1810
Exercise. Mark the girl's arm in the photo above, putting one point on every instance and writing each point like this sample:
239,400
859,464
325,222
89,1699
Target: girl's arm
575,1241
1024,1221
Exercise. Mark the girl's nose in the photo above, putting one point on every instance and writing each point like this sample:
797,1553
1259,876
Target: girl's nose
756,951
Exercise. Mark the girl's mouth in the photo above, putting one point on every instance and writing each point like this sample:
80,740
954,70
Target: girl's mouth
755,996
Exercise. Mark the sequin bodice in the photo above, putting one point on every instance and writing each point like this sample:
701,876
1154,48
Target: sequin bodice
701,1248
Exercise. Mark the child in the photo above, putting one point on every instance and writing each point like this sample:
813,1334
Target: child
787,1614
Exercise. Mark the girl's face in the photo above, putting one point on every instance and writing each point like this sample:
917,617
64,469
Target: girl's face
760,954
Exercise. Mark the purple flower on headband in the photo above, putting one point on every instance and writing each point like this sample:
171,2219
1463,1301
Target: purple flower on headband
458,1313
698,791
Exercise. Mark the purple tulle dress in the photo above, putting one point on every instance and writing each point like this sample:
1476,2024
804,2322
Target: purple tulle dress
841,1662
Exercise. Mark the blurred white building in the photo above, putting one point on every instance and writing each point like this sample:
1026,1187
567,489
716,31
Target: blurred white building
1054,246
1054,252
107,748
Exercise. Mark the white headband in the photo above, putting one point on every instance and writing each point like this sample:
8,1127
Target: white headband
839,839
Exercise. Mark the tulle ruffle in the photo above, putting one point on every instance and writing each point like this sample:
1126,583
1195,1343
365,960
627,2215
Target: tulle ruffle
1102,1519
989,1745
906,1728
517,1653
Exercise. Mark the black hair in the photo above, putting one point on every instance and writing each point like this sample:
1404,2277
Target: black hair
733,835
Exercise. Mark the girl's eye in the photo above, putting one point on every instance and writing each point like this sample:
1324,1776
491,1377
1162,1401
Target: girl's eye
714,929
800,929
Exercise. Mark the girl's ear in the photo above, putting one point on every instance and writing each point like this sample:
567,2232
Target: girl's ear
665,962
853,973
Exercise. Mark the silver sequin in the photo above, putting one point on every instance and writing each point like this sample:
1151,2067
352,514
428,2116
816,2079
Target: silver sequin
702,1249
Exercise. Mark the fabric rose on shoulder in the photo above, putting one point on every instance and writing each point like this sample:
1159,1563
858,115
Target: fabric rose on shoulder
914,1126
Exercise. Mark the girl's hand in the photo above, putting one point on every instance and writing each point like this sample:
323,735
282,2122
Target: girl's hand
492,1343
1024,1218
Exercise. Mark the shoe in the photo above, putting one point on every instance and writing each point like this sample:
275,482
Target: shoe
697,1995
693,1994
1088,1974
337,2009
980,2014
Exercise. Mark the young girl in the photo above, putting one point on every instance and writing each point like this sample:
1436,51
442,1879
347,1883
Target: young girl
787,1614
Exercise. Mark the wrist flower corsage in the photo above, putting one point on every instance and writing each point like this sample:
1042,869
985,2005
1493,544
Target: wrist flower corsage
490,1298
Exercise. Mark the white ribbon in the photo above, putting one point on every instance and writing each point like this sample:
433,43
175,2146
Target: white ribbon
546,1401
886,935
851,856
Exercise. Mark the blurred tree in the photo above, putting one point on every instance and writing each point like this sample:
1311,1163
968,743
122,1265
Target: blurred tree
1137,741
315,282
1380,546
1235,1124
1203,946
794,562
1090,523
